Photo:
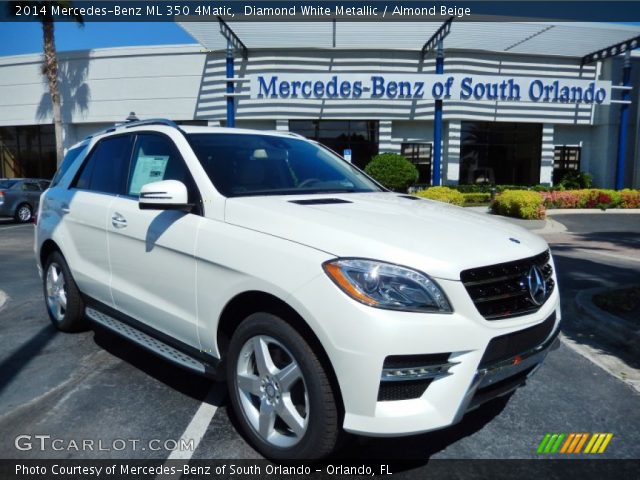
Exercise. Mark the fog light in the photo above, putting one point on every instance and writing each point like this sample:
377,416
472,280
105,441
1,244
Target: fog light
416,373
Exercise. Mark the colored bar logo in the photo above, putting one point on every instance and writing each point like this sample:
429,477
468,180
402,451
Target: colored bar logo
573,443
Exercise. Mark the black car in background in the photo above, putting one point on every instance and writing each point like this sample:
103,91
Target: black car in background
19,197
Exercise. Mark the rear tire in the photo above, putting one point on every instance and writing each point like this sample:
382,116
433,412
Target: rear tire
62,297
24,213
280,391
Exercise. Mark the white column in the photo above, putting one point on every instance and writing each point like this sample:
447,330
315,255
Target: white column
384,136
282,125
451,167
546,161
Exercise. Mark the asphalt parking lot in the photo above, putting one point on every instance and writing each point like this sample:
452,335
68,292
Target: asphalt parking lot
94,386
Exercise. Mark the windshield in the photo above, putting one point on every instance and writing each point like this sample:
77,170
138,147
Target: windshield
243,165
6,184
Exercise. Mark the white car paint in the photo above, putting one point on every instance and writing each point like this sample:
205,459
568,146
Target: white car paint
176,272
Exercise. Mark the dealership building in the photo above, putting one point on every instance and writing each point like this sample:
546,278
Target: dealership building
519,104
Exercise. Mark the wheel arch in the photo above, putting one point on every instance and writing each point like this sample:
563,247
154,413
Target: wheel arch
246,303
46,249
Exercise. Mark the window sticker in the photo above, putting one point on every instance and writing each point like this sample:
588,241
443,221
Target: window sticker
149,168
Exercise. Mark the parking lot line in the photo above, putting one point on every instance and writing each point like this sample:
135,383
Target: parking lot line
2,229
200,422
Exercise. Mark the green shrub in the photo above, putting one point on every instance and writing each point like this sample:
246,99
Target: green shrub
575,180
474,198
393,171
520,204
442,194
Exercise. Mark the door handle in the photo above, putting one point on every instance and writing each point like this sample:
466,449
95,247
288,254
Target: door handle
64,208
118,221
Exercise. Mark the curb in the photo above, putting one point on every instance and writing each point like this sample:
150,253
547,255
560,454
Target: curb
551,226
611,326
563,211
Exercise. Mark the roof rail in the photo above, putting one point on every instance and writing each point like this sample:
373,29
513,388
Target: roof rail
138,123
151,121
290,134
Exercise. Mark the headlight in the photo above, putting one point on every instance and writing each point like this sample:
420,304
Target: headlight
385,285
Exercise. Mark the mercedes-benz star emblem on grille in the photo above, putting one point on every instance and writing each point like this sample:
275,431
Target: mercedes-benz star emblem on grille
537,285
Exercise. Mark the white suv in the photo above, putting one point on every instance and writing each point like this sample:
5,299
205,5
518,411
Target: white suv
326,301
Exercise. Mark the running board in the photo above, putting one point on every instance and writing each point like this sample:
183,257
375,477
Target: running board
150,343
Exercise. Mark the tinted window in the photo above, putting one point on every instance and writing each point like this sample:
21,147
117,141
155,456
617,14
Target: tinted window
240,164
156,158
6,184
30,187
106,169
66,163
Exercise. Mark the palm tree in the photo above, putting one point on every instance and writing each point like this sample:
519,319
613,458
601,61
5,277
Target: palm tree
50,63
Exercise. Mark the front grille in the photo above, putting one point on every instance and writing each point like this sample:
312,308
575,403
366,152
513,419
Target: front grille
502,290
512,344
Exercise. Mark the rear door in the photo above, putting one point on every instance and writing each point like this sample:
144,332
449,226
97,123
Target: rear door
85,208
152,252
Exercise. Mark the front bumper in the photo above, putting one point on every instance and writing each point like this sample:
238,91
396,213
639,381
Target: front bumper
358,339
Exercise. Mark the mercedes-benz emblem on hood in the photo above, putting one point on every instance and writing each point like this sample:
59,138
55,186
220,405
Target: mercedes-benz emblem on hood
537,285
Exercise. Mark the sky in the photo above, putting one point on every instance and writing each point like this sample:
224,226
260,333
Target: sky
21,38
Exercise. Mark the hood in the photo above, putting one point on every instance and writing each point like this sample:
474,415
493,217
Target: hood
436,238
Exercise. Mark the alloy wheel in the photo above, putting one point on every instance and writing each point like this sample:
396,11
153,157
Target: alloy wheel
272,391
56,290
24,213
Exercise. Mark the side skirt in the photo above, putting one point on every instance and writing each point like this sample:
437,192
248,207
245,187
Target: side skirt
152,340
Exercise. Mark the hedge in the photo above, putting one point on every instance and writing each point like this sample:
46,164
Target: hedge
442,194
520,204
475,198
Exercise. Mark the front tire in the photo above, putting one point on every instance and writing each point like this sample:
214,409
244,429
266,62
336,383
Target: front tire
280,391
24,213
62,297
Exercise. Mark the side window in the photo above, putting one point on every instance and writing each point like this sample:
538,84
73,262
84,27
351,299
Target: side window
156,158
66,163
106,168
30,187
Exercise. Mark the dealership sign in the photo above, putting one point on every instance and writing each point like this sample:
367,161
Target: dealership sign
456,87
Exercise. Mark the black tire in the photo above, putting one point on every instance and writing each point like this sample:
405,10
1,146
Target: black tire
321,413
24,213
72,318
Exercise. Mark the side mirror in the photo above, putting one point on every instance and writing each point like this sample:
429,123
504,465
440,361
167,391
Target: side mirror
165,195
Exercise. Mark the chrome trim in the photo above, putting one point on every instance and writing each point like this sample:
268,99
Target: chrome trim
504,369
494,280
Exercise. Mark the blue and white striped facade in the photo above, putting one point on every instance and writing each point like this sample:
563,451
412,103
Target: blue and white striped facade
102,86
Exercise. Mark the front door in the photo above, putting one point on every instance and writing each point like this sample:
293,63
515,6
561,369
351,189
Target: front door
151,252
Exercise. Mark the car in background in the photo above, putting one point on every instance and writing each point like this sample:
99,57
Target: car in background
19,197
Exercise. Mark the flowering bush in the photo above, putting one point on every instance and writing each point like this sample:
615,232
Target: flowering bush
591,198
630,198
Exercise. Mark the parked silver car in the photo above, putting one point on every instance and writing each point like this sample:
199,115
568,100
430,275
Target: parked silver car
19,197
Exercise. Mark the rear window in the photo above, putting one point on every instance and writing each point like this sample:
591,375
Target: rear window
7,184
